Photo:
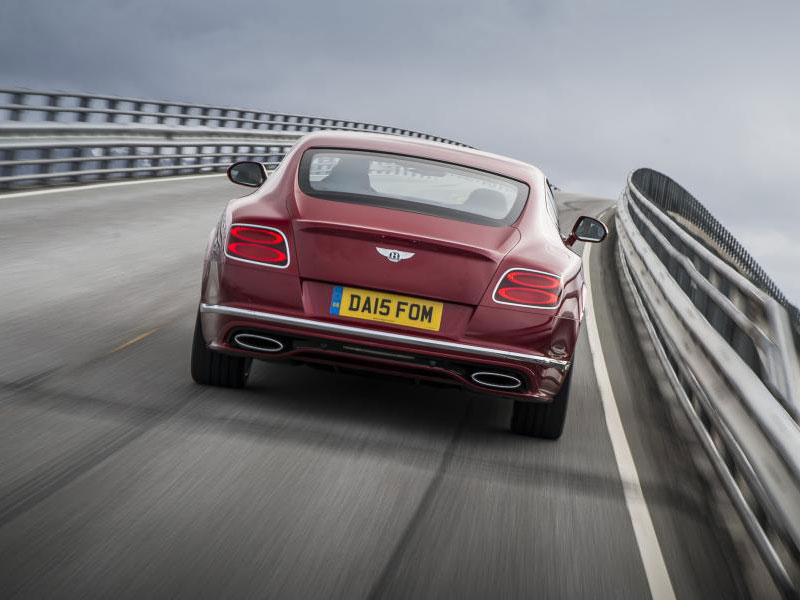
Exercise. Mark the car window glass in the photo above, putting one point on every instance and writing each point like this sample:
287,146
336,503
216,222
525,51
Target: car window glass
413,184
550,203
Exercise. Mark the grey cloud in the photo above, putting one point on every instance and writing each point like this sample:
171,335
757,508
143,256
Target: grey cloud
706,92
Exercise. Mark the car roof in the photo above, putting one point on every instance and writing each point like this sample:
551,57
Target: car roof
397,144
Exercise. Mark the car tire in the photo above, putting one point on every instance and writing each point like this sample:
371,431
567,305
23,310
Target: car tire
542,420
214,368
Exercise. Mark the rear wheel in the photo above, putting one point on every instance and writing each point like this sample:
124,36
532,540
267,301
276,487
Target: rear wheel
542,420
215,368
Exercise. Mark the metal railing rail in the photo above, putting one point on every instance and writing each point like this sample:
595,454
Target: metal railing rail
751,322
672,198
727,349
21,105
114,153
55,138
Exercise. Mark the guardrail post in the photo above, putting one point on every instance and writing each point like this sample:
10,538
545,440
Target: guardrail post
137,109
113,105
75,165
52,101
15,113
103,152
44,167
130,162
83,115
7,169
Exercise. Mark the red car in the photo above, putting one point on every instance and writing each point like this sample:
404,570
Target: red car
398,256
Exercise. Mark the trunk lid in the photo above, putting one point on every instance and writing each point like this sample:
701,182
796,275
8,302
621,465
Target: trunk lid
453,261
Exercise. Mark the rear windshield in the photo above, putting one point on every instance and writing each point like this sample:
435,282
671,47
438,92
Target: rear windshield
412,184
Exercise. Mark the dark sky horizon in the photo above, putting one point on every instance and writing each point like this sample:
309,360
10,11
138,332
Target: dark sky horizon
707,93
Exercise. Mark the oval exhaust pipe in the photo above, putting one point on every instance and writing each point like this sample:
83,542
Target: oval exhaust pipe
501,381
257,343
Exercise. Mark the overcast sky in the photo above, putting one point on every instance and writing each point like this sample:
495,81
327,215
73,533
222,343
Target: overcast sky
708,93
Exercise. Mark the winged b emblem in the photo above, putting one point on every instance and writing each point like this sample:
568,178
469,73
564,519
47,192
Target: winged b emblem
394,255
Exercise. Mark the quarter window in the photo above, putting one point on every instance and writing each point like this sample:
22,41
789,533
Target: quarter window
550,203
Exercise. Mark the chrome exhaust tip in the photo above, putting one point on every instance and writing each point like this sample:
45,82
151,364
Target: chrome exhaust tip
501,381
257,343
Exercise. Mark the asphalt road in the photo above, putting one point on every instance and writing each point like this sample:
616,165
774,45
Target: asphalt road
120,477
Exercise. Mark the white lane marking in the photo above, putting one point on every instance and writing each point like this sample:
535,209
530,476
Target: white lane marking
92,186
649,549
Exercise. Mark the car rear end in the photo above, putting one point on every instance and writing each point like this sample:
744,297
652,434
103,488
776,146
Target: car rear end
398,277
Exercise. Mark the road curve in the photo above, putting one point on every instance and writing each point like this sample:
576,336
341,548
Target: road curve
119,477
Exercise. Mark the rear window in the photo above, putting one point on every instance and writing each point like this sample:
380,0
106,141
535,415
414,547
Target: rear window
412,184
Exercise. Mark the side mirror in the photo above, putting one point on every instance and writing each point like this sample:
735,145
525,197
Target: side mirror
587,229
247,172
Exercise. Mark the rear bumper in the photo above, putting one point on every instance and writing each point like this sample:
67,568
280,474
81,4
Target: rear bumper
387,336
459,358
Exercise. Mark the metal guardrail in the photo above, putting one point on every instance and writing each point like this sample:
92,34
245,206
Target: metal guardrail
53,156
727,348
61,137
52,107
673,199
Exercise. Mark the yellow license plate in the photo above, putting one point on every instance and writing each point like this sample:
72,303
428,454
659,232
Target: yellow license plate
386,308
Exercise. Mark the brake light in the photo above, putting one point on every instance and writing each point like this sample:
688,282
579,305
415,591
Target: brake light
526,287
258,244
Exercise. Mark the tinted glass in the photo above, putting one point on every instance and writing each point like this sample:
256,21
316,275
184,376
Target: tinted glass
412,184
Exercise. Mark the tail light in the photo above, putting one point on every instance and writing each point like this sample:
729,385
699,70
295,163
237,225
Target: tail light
526,287
259,245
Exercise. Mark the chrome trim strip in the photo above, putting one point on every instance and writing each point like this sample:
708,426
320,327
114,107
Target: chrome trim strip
231,311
